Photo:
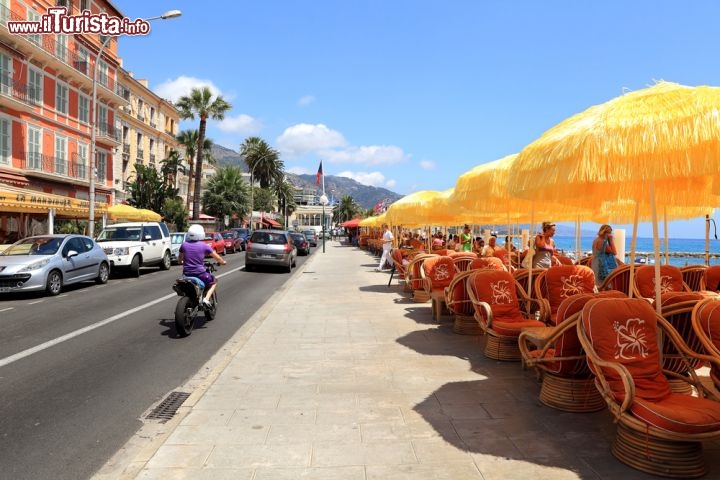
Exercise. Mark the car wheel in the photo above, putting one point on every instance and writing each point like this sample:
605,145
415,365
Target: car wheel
166,261
103,274
248,268
224,251
54,282
135,266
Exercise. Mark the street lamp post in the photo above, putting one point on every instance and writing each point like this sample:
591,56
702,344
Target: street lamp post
93,124
323,202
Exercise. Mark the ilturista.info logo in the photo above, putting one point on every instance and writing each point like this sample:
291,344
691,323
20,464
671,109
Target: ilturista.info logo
56,20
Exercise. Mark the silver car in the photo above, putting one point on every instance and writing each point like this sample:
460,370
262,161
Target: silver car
270,247
47,262
176,239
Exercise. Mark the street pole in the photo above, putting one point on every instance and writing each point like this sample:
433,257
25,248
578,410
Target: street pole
93,123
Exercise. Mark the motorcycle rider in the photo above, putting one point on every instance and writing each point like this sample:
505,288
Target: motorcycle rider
192,257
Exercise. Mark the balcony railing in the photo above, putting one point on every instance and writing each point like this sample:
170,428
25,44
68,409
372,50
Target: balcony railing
140,154
153,124
109,131
126,148
152,158
141,117
48,42
75,168
19,91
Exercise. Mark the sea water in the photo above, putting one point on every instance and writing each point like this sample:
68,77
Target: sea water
645,249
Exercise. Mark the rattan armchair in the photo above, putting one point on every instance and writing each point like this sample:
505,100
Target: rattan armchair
414,277
555,284
557,356
618,279
502,310
437,273
693,275
671,282
658,431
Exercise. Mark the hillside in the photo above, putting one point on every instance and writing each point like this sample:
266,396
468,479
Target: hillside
364,195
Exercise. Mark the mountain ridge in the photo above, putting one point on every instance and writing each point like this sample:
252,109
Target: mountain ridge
335,187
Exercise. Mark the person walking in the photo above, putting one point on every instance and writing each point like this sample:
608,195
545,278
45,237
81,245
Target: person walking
387,241
544,247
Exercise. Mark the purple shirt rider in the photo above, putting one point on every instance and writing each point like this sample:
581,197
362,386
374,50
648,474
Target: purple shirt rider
194,254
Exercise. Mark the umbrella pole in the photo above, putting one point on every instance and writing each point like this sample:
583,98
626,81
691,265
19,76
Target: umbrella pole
707,240
531,249
577,240
656,248
667,236
632,249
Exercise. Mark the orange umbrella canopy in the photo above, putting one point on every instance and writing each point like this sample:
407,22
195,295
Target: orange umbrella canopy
667,133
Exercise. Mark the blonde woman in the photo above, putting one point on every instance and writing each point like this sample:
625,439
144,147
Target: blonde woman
603,254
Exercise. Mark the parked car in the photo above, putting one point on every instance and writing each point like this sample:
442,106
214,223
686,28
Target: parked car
47,262
311,237
233,242
301,243
244,234
132,245
270,247
176,239
216,242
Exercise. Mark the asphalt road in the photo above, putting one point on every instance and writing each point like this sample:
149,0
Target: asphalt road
77,371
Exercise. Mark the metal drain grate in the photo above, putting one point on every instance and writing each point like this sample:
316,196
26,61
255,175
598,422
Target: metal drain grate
168,407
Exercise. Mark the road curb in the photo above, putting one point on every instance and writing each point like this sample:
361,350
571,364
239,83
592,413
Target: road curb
129,461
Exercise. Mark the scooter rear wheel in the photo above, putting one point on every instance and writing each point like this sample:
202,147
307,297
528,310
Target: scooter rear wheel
184,318
211,311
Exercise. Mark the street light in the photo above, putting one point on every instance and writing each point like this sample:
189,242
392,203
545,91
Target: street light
93,124
323,202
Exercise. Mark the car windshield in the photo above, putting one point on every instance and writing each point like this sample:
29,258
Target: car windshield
309,232
299,237
243,231
177,238
269,238
228,235
34,246
119,234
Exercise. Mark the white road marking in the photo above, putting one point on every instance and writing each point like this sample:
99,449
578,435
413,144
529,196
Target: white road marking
6,309
37,301
44,346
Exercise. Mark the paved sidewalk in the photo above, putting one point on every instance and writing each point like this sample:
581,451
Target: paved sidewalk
341,377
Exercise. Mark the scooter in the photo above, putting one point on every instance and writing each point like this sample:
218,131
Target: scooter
191,290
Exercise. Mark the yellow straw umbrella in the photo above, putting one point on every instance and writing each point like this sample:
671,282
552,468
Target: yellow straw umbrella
664,137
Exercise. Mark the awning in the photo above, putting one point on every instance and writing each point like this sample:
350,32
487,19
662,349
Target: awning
271,223
20,200
354,223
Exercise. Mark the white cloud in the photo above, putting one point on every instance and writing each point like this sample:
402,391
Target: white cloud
390,184
305,138
306,100
240,124
374,179
366,155
174,89
427,165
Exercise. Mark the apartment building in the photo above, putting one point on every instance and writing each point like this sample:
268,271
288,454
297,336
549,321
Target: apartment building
148,127
46,119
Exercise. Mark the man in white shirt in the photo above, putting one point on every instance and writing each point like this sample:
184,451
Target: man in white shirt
387,241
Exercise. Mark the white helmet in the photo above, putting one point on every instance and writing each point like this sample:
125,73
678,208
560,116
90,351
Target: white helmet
196,233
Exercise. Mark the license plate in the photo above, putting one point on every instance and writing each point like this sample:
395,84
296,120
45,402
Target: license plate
5,289
265,255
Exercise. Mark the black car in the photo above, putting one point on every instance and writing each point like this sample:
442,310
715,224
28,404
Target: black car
303,246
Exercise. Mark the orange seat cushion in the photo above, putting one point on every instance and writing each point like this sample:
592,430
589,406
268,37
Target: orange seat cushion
565,281
679,413
486,263
670,280
440,270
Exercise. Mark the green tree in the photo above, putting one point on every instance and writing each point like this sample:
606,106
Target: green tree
346,210
175,212
263,199
170,167
200,102
148,189
226,193
262,161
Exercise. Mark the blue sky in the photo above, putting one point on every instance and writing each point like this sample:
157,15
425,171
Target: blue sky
410,94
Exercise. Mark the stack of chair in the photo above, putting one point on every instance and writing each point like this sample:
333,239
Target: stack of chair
502,310
658,431
559,360
437,273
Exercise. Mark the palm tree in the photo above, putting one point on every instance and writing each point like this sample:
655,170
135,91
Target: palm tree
262,161
285,193
346,210
171,166
189,140
200,102
226,193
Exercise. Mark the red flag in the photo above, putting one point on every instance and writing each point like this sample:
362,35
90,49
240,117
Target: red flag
319,174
